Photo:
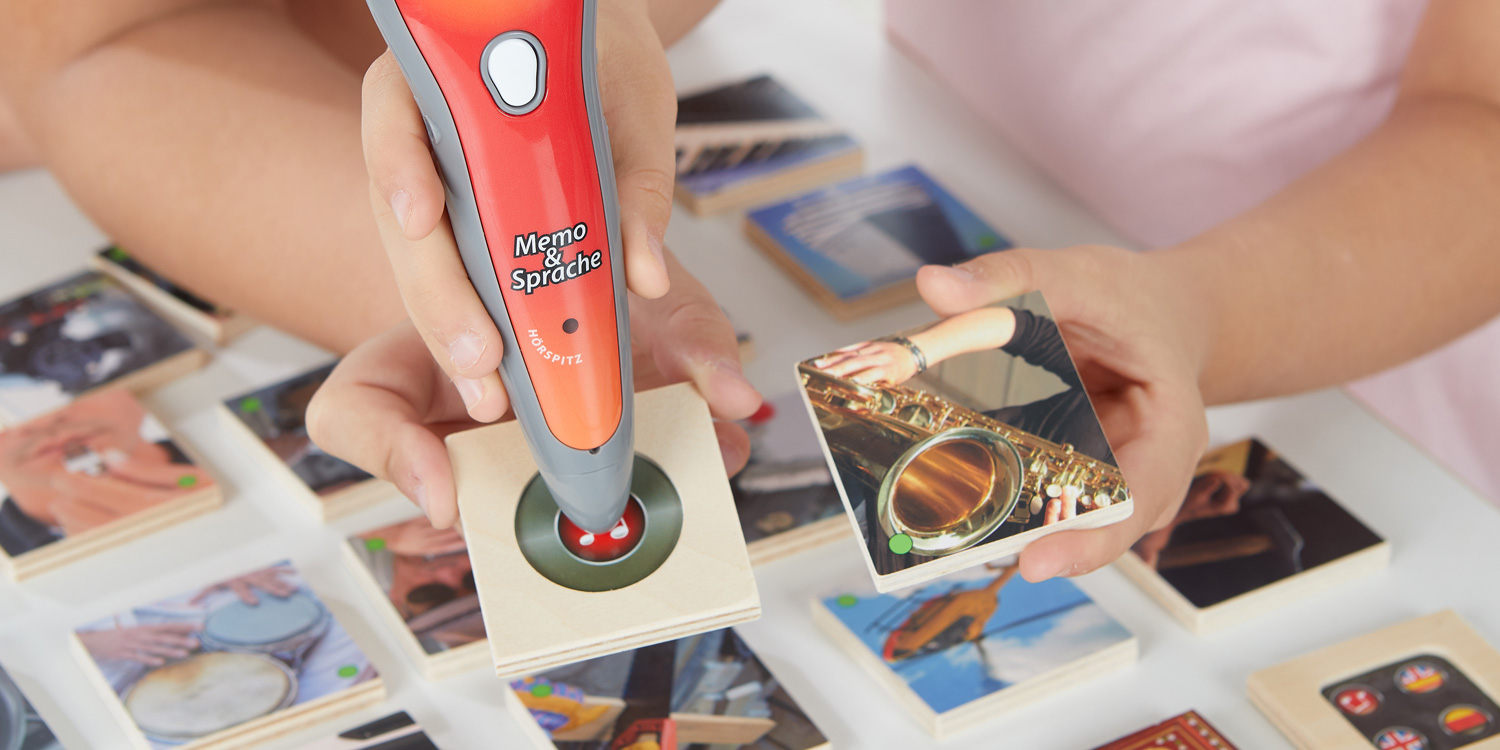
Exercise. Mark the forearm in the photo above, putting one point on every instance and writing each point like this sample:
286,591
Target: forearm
1386,252
973,331
222,147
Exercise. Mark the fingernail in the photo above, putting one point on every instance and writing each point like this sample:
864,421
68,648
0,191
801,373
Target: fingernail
401,207
465,349
1051,569
470,390
958,273
658,251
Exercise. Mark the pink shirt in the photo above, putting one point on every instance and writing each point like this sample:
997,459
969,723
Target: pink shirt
1166,117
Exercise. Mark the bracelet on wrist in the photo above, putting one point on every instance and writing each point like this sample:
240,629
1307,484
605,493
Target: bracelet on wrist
916,351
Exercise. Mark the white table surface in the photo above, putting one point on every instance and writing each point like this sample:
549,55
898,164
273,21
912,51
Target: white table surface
1446,539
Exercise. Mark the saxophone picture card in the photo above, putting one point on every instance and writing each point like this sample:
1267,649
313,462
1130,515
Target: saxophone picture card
856,245
981,642
187,310
704,690
230,664
1431,683
95,474
753,141
1252,534
272,422
79,334
962,441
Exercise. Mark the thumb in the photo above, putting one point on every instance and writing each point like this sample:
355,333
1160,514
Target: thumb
985,280
640,105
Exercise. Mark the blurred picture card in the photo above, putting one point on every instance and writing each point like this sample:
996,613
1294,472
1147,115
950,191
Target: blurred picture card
21,727
857,245
992,446
1186,731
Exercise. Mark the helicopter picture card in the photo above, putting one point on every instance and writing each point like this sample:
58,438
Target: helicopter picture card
423,580
1185,731
856,246
79,334
187,310
976,644
711,687
272,422
1252,534
673,566
230,664
21,727
753,141
785,496
1431,683
962,441
95,474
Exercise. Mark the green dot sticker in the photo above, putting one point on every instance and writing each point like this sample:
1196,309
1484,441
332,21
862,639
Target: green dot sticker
187,480
375,545
250,405
541,690
847,600
117,254
900,544
348,670
988,240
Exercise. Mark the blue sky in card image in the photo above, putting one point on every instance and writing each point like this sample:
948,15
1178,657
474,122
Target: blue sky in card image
1036,628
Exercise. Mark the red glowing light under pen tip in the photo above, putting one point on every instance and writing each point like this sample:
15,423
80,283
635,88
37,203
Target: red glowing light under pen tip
609,546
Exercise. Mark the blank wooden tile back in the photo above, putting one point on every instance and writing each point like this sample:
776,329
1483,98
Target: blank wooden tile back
534,624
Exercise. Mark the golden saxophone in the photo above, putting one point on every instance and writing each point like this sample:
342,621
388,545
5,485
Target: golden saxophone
944,475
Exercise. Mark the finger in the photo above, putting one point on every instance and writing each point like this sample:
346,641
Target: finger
685,336
245,593
166,640
1054,512
367,413
1158,463
150,661
640,105
856,364
988,279
397,154
734,444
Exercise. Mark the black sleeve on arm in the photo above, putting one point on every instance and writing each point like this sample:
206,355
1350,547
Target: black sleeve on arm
1038,341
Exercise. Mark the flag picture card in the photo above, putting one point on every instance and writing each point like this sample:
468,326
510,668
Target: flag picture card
79,334
785,496
1252,534
21,727
856,246
228,665
272,421
187,310
962,441
754,141
95,474
976,644
424,583
1425,684
399,731
1185,731
708,689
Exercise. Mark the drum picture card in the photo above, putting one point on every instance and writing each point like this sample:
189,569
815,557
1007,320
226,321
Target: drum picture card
712,687
188,311
230,664
1253,534
1185,731
424,583
97,473
399,731
856,246
1431,683
976,644
754,141
272,422
21,727
962,441
79,334
785,496
685,572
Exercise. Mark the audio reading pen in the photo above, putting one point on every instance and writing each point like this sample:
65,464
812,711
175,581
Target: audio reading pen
509,94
